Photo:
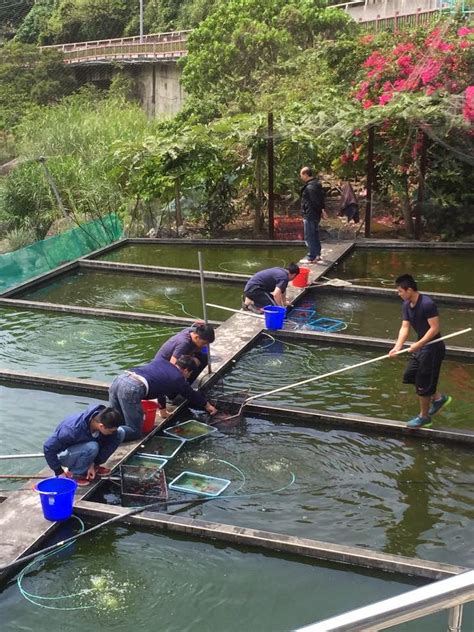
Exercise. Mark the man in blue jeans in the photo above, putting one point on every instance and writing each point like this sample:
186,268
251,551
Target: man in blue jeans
158,379
82,442
312,209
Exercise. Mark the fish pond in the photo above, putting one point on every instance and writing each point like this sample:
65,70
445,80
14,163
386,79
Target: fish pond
73,346
158,294
375,390
435,270
121,579
400,496
379,316
218,258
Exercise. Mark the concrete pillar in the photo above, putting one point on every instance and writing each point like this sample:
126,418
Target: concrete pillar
160,91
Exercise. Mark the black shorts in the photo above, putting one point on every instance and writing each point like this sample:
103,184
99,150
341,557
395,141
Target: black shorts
423,369
260,297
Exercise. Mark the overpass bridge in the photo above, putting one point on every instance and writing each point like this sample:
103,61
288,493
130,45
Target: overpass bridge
152,58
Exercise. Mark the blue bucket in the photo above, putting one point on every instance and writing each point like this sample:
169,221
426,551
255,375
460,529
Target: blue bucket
57,497
274,316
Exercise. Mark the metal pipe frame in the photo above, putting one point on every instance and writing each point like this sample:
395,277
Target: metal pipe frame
421,602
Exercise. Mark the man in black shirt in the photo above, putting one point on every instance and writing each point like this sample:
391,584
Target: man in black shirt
312,209
420,311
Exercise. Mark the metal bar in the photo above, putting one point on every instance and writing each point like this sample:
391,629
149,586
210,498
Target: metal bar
4,457
455,619
407,607
370,180
271,197
204,307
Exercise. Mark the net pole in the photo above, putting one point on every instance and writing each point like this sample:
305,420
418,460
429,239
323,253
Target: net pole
204,307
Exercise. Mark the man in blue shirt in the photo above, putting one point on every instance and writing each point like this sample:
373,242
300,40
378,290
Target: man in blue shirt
82,442
193,342
268,287
158,379
420,312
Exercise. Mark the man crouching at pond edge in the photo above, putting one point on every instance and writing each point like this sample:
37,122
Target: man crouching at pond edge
82,442
268,287
420,311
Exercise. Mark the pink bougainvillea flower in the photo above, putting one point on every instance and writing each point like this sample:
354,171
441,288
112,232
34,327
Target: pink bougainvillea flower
385,98
430,71
468,109
465,30
464,44
367,104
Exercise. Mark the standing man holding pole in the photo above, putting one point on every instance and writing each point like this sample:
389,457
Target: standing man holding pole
420,311
312,209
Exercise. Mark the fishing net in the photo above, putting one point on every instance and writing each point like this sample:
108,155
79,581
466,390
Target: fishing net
142,485
41,257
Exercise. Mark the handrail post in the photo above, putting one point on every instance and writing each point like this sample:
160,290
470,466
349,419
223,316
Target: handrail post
455,619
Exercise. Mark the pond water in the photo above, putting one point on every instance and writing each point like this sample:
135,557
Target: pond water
446,271
380,317
27,418
125,580
139,293
401,496
75,346
218,258
374,390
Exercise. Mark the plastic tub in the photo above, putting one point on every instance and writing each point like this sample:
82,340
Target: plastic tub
274,316
200,484
149,413
57,497
301,279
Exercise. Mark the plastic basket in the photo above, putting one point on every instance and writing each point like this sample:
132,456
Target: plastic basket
143,484
190,430
328,325
162,447
200,484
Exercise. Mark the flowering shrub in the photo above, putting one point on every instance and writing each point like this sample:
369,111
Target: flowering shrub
438,62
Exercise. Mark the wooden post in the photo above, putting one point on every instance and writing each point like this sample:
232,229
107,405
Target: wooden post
420,198
271,200
370,180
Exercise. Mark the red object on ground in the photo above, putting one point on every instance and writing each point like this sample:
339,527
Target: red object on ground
301,279
149,413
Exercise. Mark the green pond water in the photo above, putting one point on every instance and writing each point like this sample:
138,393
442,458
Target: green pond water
74,346
400,496
27,418
448,271
139,293
380,317
126,580
374,390
217,258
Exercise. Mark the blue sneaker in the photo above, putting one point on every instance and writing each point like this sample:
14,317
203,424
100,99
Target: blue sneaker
436,404
419,422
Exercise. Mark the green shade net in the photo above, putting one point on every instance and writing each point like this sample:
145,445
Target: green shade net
24,264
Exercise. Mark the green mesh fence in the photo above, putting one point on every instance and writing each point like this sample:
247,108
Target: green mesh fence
21,265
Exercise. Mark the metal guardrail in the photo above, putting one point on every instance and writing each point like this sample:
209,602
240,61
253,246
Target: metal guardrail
449,593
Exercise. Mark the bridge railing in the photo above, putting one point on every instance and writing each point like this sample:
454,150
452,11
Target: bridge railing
155,46
156,38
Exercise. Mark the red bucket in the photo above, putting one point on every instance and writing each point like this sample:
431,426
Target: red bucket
301,279
149,413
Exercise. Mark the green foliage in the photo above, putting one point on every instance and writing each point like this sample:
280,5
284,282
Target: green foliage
19,238
76,138
82,20
30,77
35,23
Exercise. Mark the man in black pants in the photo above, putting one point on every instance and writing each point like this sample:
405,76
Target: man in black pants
312,209
268,287
424,365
